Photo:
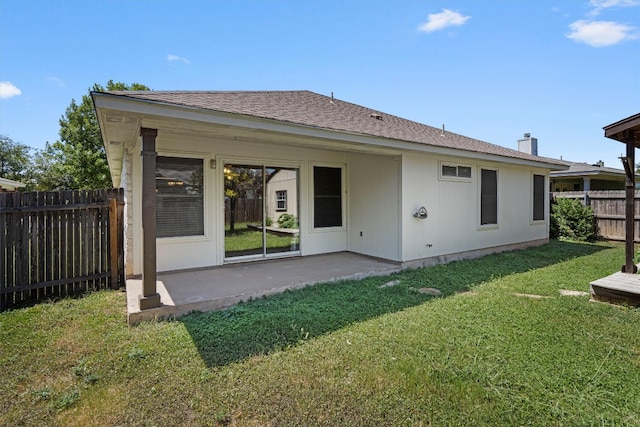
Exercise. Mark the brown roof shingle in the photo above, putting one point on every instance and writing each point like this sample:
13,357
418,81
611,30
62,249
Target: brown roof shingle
320,111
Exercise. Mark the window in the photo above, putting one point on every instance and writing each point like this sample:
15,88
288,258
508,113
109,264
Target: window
179,197
327,197
455,171
281,200
538,198
488,197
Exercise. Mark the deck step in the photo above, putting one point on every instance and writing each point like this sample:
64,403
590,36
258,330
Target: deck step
618,288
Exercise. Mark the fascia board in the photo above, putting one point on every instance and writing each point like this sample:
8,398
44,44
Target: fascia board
153,108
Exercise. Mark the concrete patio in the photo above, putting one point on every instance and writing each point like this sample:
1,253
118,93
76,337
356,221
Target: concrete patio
213,288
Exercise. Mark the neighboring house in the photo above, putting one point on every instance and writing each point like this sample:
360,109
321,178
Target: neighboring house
10,185
586,177
357,179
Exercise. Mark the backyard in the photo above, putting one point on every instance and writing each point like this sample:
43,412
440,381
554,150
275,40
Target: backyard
501,346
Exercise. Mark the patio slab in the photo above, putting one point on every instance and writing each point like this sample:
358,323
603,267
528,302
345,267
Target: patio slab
207,289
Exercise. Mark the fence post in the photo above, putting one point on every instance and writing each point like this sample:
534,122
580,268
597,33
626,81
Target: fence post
113,242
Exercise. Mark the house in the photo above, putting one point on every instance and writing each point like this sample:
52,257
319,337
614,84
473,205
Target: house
586,177
581,177
204,170
10,185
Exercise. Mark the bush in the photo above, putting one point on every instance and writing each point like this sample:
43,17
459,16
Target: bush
287,221
570,219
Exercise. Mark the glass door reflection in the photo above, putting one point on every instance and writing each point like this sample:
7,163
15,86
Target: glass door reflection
243,210
281,205
261,210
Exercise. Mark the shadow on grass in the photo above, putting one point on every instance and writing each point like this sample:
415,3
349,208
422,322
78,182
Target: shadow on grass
269,324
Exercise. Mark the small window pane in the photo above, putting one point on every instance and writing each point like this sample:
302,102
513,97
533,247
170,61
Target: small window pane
179,197
538,198
464,171
449,170
327,197
489,197
281,200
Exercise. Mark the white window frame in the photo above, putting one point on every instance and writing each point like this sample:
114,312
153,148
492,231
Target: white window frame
482,226
282,200
544,200
343,199
457,177
205,197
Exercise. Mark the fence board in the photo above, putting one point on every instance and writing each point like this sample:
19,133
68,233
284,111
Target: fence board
56,244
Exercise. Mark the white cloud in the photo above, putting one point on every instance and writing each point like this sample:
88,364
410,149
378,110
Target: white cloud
442,20
57,81
600,33
176,58
8,90
600,5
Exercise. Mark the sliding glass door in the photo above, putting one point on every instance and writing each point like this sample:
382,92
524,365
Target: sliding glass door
261,211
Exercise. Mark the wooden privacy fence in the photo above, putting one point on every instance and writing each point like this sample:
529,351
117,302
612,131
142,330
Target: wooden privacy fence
247,210
608,206
54,244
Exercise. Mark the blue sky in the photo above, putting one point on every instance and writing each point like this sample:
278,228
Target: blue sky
491,70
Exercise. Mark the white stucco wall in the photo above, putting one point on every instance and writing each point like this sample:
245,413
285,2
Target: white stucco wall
374,205
208,250
381,193
453,224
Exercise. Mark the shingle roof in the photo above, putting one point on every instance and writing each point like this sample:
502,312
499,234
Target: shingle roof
586,169
315,110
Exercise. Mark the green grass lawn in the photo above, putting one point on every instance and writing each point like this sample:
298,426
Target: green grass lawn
348,353
245,240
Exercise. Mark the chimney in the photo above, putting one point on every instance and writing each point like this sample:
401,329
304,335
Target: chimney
528,145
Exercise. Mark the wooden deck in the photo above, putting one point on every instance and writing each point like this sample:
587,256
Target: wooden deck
618,288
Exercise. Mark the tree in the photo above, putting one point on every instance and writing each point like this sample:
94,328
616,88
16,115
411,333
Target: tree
240,182
15,160
78,159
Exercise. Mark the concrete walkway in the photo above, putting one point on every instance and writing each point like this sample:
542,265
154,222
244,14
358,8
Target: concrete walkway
213,288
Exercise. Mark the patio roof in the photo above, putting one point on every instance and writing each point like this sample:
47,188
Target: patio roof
625,130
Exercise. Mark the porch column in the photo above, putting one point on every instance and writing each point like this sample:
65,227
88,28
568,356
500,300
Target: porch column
630,186
149,297
586,187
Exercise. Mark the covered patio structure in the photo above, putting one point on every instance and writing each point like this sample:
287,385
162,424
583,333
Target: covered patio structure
624,287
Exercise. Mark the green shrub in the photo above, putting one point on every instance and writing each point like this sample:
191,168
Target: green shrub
268,221
570,219
287,221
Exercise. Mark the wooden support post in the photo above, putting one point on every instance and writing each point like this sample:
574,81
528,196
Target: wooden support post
630,185
149,297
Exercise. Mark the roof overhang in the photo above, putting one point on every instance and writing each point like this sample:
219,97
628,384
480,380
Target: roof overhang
10,184
625,130
121,118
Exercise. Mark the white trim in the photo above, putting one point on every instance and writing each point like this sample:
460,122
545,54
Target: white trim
221,160
545,192
457,178
206,214
498,210
343,191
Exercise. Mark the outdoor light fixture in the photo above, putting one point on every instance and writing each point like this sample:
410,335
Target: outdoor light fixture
421,214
